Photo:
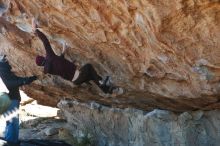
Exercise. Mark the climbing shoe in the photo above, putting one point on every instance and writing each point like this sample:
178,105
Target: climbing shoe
117,90
106,81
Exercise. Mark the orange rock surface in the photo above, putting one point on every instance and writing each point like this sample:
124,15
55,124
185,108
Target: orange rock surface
165,53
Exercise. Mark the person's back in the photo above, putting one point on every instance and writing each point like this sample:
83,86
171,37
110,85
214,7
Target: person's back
58,65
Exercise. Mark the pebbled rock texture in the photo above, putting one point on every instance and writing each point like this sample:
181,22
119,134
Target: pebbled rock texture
165,53
131,127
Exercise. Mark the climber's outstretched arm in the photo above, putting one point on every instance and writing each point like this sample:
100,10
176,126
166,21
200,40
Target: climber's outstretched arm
46,43
43,38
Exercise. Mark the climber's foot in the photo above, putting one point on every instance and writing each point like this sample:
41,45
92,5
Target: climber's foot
117,91
113,92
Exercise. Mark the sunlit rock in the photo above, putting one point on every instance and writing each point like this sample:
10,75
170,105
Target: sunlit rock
165,54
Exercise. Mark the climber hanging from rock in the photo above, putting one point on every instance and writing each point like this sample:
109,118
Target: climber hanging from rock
58,65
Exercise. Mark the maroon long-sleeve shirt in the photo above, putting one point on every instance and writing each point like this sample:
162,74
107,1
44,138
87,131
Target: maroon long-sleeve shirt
56,65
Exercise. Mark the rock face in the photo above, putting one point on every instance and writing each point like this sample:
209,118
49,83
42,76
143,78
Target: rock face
129,127
164,53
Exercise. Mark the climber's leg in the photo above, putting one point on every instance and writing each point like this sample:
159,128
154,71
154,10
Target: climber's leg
87,73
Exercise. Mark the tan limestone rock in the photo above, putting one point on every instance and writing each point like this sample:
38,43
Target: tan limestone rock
165,53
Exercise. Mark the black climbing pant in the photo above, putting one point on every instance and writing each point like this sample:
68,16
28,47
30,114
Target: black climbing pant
88,73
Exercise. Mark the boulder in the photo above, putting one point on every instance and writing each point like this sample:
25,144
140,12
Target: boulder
165,54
